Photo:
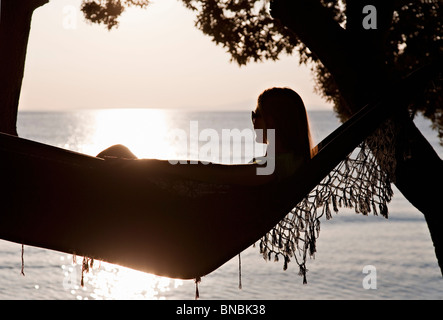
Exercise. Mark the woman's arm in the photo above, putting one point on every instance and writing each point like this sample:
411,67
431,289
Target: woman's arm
241,174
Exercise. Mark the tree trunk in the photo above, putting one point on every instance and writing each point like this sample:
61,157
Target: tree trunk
419,176
355,59
15,24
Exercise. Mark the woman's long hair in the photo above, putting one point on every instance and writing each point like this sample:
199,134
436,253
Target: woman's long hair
282,109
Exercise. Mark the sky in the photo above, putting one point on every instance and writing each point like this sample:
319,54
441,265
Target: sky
156,58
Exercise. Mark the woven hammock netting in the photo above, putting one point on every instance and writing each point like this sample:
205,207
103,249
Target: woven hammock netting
361,181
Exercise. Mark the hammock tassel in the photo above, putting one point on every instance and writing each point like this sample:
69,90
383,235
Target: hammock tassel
239,272
86,265
302,272
22,272
197,294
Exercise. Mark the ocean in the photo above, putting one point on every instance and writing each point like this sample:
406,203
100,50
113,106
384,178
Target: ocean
358,257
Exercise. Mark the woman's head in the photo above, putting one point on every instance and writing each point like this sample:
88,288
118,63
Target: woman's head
282,109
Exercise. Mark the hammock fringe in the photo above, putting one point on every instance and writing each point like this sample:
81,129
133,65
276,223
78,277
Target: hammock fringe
197,293
22,272
362,182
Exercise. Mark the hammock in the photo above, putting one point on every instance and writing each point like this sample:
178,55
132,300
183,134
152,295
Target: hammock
123,213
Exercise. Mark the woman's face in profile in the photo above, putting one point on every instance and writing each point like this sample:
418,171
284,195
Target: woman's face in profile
259,126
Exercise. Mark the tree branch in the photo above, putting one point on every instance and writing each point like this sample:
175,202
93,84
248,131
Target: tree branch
39,3
370,44
354,53
316,28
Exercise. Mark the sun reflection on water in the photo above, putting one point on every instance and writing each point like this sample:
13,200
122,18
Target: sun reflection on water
107,281
145,133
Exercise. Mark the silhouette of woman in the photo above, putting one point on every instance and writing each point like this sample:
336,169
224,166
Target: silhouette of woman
279,111
283,111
